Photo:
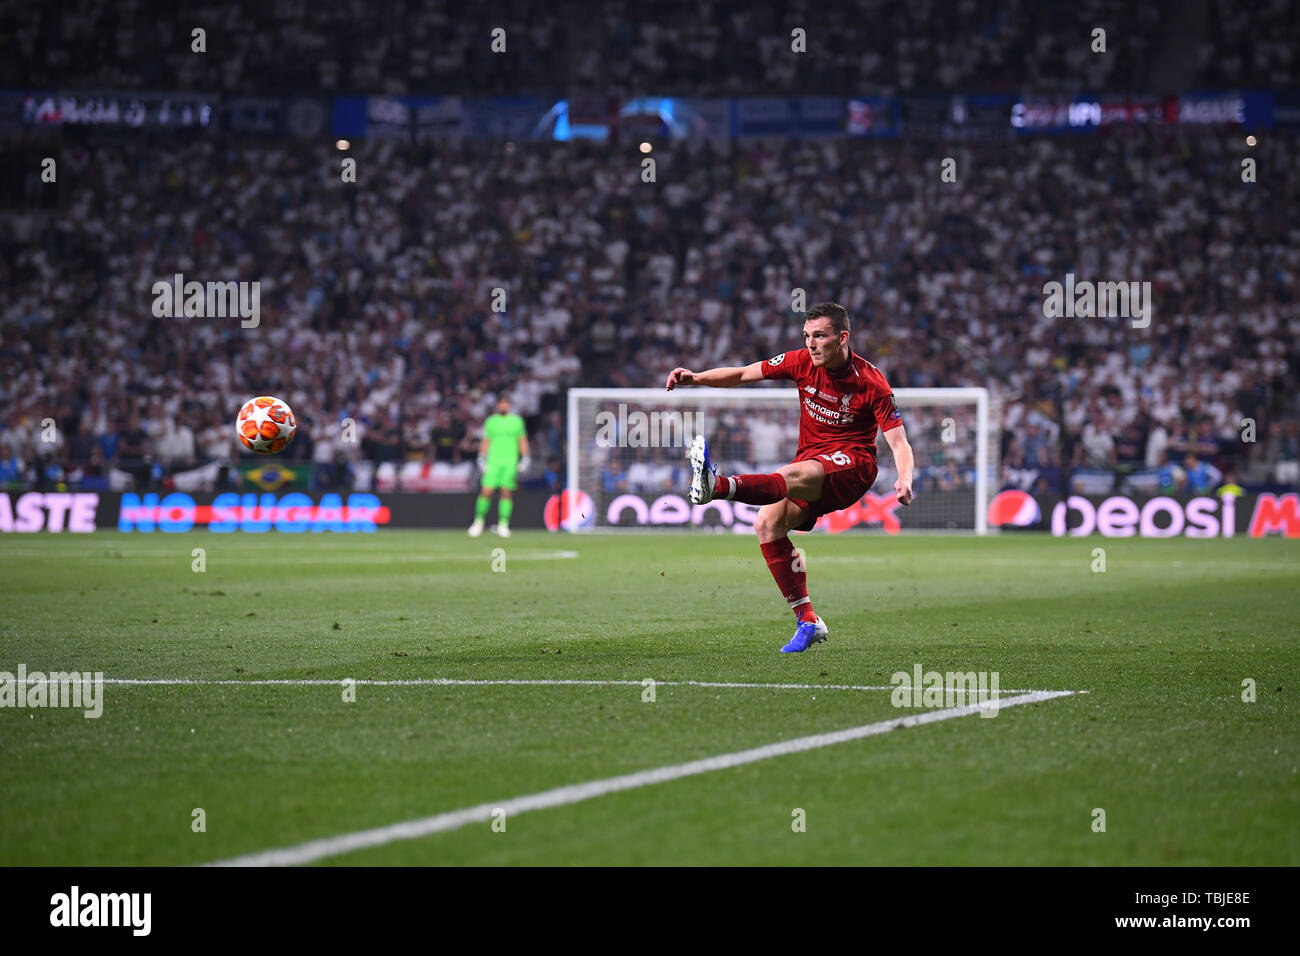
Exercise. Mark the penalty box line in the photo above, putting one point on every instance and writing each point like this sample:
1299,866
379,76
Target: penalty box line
314,850
503,682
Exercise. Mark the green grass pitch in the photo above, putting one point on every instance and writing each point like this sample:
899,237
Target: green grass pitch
1186,771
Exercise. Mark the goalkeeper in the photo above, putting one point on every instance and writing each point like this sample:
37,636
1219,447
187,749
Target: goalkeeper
502,452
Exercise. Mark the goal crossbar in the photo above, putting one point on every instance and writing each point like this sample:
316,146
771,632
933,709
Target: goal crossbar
785,397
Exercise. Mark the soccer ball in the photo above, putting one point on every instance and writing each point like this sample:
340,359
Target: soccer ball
265,425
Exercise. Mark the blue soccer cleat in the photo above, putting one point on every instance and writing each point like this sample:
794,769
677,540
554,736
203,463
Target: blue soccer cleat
806,635
702,472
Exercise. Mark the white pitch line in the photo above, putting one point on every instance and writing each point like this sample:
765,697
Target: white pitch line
399,558
364,557
455,682
1206,565
575,793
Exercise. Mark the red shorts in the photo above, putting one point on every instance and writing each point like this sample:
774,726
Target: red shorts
849,474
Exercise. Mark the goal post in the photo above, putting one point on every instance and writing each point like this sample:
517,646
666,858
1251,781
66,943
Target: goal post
627,464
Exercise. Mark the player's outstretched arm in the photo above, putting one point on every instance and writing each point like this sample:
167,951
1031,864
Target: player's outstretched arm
904,461
727,377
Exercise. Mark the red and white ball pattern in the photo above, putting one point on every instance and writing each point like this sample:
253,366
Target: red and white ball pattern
265,425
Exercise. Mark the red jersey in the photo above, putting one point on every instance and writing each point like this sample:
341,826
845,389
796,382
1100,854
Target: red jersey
840,410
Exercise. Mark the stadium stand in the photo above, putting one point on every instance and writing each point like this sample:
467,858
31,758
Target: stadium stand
374,300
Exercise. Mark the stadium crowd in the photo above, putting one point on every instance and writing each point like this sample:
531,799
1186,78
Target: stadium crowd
377,297
700,47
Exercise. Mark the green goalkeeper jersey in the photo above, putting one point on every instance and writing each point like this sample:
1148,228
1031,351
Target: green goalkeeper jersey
503,433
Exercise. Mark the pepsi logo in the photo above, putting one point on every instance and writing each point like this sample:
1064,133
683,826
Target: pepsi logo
569,511
1014,507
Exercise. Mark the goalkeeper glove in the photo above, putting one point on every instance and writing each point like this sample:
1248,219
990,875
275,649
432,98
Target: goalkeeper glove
524,463
482,463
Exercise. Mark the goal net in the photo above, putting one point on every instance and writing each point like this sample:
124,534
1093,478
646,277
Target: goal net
628,469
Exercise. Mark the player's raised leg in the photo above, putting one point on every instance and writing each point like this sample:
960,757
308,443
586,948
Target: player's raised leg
800,479
703,474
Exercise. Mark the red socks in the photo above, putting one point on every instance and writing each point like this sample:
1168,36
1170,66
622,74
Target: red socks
787,568
782,560
751,489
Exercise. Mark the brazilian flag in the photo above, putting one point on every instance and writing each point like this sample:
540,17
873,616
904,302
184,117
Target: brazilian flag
274,477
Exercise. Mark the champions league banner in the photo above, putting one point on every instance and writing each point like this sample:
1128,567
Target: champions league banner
788,116
132,110
1248,110
421,117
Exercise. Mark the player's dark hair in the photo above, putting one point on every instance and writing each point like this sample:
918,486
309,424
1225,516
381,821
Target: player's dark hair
838,315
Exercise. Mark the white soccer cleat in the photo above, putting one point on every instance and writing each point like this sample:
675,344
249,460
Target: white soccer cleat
702,472
476,528
502,529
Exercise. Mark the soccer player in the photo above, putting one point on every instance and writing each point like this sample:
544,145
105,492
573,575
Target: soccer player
502,452
844,399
